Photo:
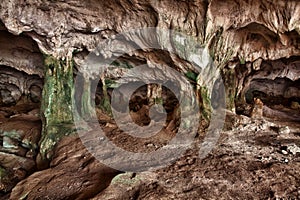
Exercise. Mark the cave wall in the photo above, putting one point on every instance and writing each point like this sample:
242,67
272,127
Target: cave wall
22,68
238,34
43,43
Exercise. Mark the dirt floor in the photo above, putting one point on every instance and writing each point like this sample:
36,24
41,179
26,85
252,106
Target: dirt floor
253,159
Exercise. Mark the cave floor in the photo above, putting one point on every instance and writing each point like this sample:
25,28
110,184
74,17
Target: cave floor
257,159
253,159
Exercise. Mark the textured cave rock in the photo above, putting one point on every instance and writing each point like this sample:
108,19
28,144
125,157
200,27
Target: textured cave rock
83,25
21,53
16,84
251,30
22,68
21,83
256,29
234,31
74,172
19,136
255,45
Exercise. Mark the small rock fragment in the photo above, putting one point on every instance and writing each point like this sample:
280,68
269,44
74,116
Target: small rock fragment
284,130
295,105
293,148
257,111
256,64
284,152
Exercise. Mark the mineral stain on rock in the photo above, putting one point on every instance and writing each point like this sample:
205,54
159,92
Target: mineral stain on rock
255,46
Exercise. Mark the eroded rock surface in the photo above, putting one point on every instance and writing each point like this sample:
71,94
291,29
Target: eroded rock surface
255,45
250,161
19,136
73,172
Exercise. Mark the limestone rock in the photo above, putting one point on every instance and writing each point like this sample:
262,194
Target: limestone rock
254,44
257,111
73,172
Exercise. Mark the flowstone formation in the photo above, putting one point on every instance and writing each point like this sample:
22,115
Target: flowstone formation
254,45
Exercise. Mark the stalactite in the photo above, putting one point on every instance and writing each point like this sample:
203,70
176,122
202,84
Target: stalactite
86,106
105,102
229,77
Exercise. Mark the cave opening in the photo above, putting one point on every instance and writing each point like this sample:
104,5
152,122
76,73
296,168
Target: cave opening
19,92
277,85
141,101
267,91
21,73
100,92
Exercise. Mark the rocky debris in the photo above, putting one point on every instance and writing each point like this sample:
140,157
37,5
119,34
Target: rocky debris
245,164
290,148
284,130
73,174
257,111
293,148
129,185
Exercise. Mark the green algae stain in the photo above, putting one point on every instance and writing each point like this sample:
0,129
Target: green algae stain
57,92
57,103
191,75
126,179
14,134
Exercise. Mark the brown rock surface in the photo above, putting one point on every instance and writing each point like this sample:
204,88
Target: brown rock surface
254,43
19,137
248,162
73,174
